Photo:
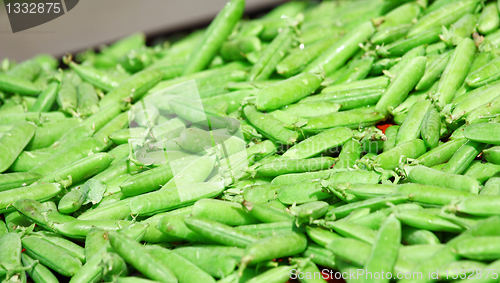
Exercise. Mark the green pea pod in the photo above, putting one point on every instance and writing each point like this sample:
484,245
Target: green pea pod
39,192
418,237
272,127
484,113
14,142
404,81
443,16
492,187
272,55
484,75
234,214
390,34
51,255
155,202
173,226
95,77
382,65
299,58
430,128
441,154
463,157
67,97
354,119
214,37
18,85
280,94
427,176
70,247
15,180
333,58
404,14
238,48
87,99
133,88
285,166
38,273
411,127
71,201
401,47
46,99
492,155
489,20
391,133
212,259
313,109
377,82
219,232
410,55
139,257
103,135
28,70
433,71
348,99
457,68
318,143
390,159
183,269
80,170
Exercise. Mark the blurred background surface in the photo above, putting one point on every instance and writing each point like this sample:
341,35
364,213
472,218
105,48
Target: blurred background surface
95,22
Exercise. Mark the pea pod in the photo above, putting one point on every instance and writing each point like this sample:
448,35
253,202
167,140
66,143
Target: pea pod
17,85
335,57
215,260
401,47
14,142
46,99
39,273
411,127
484,75
272,55
39,192
427,176
17,180
272,127
390,159
87,99
433,71
218,31
441,154
457,68
463,157
489,20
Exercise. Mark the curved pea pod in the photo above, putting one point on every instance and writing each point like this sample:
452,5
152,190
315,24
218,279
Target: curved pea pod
440,154
401,47
285,166
413,236
492,154
288,179
390,34
214,262
485,113
340,247
463,157
78,229
39,192
321,236
376,82
122,136
70,247
424,220
357,70
431,128
373,203
270,126
299,58
308,212
147,181
480,248
287,92
350,153
382,65
28,160
87,99
456,70
18,85
174,229
196,112
484,75
411,127
489,20
433,71
404,14
41,214
403,61
133,88
220,233
215,36
151,203
483,205
139,257
313,109
234,214
352,230
430,194
351,119
274,247
118,210
390,159
427,176
348,99
80,170
443,16
28,70
391,134
13,143
71,201
318,143
52,256
12,118
404,81
335,56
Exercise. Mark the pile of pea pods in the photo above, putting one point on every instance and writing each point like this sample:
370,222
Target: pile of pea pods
339,139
